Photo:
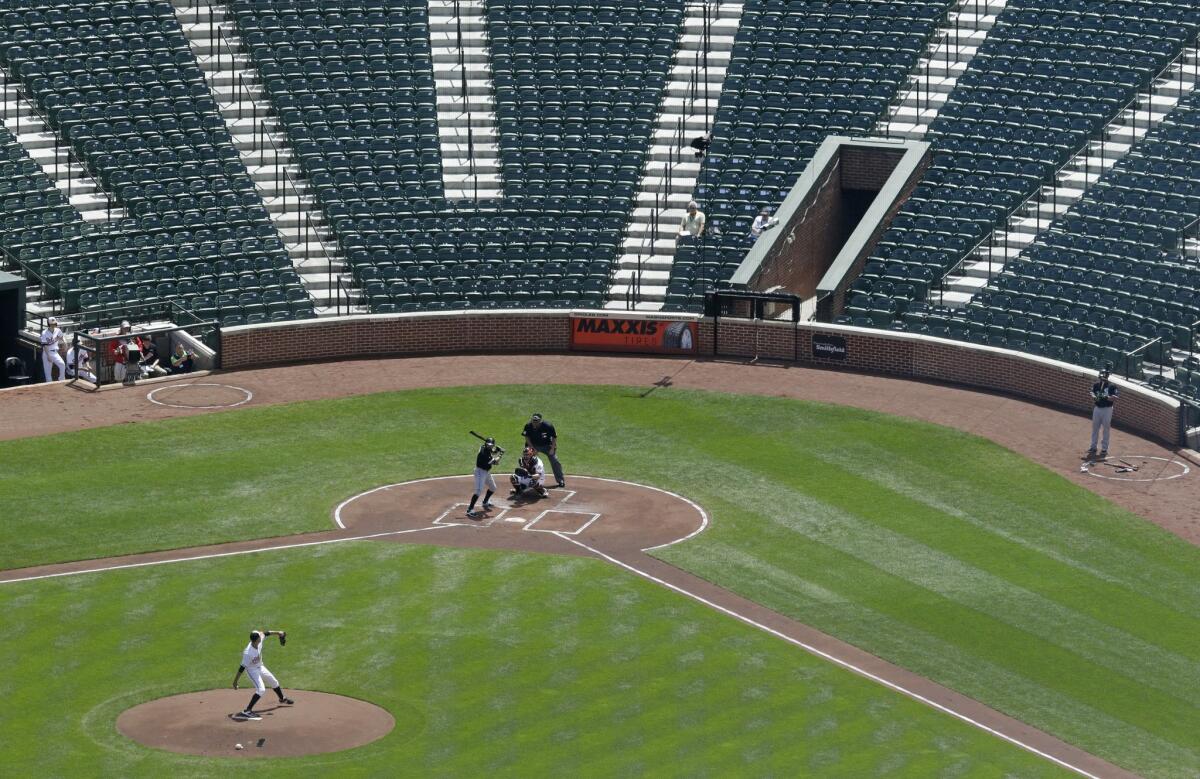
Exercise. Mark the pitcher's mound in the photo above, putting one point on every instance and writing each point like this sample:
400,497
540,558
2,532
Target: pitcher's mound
202,723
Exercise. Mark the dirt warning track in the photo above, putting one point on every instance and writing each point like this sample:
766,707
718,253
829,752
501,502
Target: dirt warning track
1051,437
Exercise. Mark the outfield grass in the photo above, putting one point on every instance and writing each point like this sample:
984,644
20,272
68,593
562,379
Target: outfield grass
491,663
934,549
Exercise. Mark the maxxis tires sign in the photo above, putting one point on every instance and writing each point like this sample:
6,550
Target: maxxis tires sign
627,334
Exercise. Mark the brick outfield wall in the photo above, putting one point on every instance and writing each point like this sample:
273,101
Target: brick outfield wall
893,354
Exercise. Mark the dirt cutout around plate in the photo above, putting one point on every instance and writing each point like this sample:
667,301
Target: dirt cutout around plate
617,517
203,723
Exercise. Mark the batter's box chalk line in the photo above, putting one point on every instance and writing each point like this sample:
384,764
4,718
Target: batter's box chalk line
592,517
456,516
337,512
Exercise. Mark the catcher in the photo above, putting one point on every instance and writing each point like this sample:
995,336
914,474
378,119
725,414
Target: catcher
252,664
530,474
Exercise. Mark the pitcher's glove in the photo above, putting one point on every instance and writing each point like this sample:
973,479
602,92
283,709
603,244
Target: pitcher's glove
282,638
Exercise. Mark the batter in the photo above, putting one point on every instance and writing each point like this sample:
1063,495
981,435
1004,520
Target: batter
488,455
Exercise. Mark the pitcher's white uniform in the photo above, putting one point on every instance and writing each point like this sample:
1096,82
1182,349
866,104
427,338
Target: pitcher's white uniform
258,673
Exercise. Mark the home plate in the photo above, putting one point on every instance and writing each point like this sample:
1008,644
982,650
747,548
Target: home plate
514,519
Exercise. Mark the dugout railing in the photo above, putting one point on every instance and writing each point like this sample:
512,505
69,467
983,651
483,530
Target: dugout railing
756,307
98,358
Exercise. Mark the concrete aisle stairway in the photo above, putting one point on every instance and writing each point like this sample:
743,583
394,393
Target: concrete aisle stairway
945,59
53,156
466,114
265,150
669,177
71,178
1080,173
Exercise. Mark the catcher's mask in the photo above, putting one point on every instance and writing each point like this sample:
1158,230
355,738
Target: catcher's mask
529,452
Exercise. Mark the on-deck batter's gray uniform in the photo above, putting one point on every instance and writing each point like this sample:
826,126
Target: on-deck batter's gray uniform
1104,394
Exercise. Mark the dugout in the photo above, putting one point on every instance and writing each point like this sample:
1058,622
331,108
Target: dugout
12,321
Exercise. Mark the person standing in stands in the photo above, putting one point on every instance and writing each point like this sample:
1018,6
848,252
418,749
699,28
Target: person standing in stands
693,221
761,222
1104,395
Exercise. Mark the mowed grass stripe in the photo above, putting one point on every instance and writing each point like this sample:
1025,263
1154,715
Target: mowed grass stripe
934,549
671,696
879,550
914,546
1034,579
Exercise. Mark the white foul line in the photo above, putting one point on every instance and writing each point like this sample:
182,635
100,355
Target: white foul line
831,658
220,554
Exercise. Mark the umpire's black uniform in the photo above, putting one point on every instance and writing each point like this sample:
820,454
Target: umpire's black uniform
542,436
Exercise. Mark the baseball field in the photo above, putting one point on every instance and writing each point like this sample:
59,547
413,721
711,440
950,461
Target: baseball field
937,551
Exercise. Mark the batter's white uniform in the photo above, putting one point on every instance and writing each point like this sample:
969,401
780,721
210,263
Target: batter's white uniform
51,339
258,673
536,479
484,480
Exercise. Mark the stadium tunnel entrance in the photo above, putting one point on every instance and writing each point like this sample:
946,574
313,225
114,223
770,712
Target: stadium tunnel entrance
831,220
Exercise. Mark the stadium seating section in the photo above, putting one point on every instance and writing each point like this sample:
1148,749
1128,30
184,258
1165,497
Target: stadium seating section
120,85
799,71
577,88
1108,277
28,198
1049,77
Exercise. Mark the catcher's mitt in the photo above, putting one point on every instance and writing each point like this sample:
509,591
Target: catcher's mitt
282,638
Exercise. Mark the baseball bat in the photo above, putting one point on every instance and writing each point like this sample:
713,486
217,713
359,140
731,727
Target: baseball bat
484,438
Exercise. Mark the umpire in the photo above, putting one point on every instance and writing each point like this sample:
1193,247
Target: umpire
540,434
